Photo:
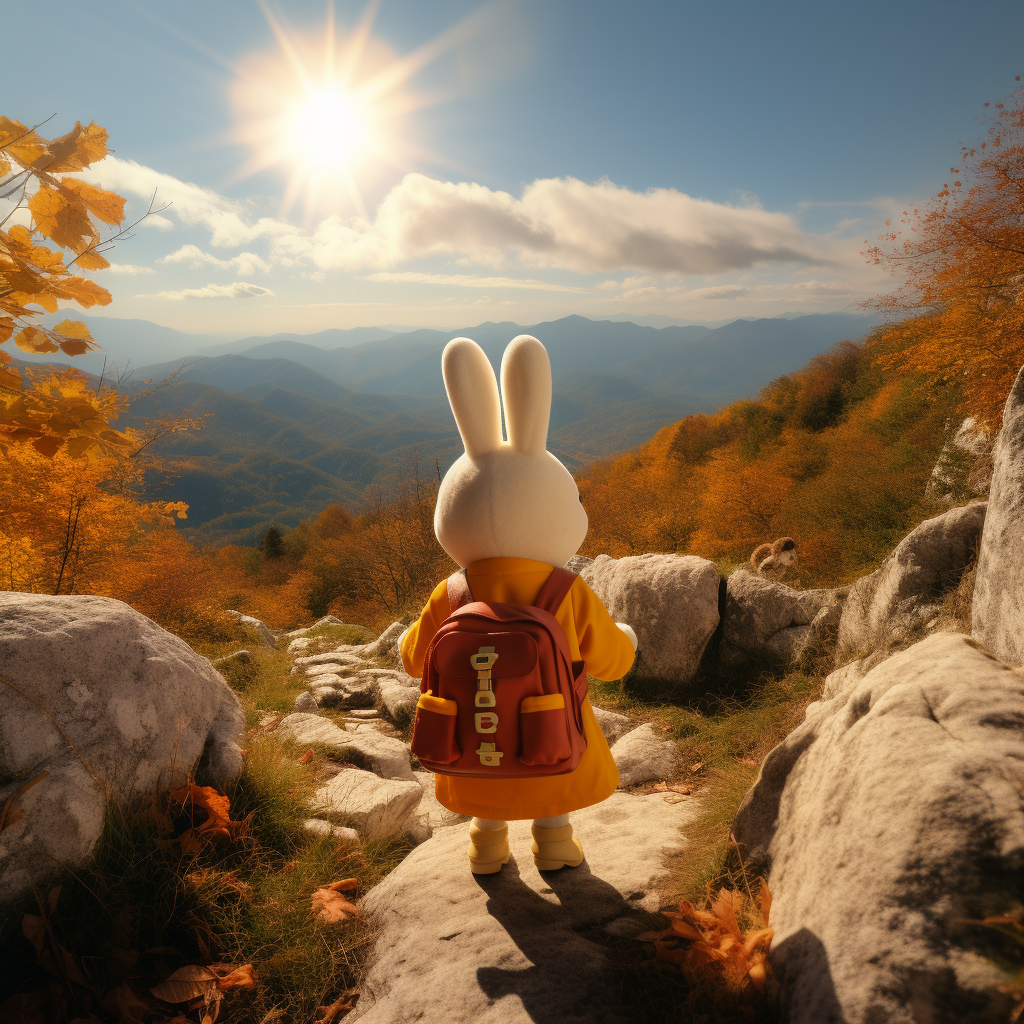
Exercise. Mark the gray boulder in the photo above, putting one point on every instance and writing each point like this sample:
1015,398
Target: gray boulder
138,708
518,947
894,813
343,835
893,606
327,620
644,755
767,619
375,807
257,626
387,756
997,614
613,725
671,601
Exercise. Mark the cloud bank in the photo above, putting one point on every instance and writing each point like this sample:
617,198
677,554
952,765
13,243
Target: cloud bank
557,223
241,290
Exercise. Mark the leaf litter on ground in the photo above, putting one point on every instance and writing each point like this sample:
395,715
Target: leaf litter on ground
709,944
330,905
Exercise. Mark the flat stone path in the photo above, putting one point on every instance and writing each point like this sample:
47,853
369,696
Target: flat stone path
513,948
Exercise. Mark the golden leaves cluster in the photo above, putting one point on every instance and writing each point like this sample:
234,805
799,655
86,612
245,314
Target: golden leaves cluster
47,409
961,260
712,945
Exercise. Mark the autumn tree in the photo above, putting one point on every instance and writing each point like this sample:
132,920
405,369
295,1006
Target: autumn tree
961,257
49,204
63,529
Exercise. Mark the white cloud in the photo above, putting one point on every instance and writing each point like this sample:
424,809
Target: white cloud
562,223
154,220
240,290
469,281
629,282
556,223
193,205
244,263
129,268
721,291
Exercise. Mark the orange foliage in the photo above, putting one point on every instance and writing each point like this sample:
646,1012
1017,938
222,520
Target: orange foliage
962,261
51,410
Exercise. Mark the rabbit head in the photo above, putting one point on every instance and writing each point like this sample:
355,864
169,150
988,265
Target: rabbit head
505,498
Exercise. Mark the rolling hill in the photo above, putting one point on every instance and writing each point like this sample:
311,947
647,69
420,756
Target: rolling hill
292,427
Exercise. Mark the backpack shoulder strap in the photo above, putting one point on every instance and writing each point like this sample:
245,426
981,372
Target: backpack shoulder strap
458,590
552,594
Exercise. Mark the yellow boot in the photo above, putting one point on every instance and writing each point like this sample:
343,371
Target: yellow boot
555,848
488,849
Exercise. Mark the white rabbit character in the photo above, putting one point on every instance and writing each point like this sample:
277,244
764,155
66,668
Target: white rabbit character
508,512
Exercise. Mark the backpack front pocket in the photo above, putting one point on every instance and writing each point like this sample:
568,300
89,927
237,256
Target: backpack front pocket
433,734
543,731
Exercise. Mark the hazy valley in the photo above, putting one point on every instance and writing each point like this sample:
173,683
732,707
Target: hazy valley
292,427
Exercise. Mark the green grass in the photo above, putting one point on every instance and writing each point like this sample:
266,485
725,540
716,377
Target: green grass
248,900
725,723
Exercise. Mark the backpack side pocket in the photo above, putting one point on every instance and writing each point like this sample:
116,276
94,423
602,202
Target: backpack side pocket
543,731
433,734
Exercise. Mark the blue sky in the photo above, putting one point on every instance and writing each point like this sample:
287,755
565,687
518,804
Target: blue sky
701,160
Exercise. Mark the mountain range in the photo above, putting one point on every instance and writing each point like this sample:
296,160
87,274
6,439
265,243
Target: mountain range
293,426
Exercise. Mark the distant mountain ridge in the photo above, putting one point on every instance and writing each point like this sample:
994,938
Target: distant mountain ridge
294,427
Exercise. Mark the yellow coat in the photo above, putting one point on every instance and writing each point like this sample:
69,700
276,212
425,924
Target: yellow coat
593,636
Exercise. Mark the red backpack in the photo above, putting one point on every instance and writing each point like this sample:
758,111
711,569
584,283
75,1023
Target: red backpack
501,696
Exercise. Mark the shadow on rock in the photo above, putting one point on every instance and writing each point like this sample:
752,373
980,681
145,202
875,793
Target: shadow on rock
796,960
565,942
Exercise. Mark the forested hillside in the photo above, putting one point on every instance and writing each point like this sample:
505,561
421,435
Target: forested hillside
289,428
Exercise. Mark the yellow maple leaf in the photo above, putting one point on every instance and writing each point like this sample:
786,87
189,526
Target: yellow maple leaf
32,339
108,206
73,329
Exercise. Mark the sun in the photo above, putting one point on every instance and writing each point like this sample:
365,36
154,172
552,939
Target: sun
330,109
328,130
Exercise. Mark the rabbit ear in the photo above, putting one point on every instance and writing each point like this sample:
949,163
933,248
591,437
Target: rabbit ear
526,391
473,394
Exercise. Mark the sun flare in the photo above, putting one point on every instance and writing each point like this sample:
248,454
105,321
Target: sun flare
328,130
330,108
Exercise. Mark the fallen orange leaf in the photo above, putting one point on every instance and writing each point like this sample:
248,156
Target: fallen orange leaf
331,906
343,1003
218,817
186,984
229,976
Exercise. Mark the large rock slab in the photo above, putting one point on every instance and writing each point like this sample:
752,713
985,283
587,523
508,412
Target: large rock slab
893,605
767,619
671,601
997,614
140,707
373,806
516,947
397,695
385,755
342,693
644,755
892,814
963,469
